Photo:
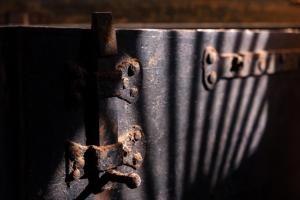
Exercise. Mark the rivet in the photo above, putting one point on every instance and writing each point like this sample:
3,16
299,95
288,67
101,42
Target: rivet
137,158
212,77
76,174
125,82
211,57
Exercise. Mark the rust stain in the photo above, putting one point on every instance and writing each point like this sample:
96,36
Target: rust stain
105,159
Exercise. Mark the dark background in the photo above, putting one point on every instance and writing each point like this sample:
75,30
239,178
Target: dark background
133,11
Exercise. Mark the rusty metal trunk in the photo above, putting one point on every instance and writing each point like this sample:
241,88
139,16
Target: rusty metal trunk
218,109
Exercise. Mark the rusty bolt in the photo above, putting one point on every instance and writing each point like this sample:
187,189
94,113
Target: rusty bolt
137,158
125,82
212,77
76,174
211,56
133,92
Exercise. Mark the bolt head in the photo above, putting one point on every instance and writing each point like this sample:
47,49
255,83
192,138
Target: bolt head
125,82
137,159
211,57
76,174
212,77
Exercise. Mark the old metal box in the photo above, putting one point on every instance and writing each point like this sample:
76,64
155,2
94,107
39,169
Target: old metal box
236,139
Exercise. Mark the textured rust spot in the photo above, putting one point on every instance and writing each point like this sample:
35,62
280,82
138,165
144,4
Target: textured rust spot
82,161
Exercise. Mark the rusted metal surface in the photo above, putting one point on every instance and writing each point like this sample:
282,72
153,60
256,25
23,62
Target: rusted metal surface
81,160
243,64
210,64
121,81
110,75
201,144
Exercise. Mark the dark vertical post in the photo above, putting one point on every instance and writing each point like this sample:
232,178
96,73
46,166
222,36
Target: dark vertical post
103,44
103,111
104,34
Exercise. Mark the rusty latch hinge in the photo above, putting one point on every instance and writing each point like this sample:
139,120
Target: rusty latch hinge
109,74
117,75
242,64
121,81
83,161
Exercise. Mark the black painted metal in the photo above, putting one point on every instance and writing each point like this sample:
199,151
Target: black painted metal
237,141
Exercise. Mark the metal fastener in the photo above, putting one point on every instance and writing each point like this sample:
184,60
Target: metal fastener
237,63
211,57
212,77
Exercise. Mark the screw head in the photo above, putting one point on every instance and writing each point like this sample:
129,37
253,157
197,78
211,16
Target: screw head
137,159
125,82
76,174
212,77
211,57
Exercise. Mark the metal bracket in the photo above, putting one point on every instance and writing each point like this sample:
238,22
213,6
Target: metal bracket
86,161
117,75
121,81
209,62
109,74
243,64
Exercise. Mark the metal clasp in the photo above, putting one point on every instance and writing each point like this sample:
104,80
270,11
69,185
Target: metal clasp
88,161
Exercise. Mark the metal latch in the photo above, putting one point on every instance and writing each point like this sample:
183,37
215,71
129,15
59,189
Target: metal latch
108,74
91,161
122,81
242,64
